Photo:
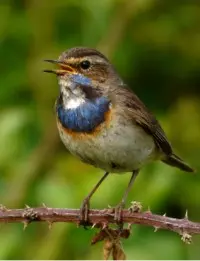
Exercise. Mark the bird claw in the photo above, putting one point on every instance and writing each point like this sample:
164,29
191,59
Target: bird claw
84,213
118,214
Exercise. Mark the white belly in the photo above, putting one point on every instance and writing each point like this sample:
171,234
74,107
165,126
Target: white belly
118,148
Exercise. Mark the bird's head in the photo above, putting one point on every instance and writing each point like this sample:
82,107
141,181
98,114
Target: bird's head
84,71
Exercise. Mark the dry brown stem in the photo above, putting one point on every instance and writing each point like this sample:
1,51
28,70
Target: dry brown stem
99,218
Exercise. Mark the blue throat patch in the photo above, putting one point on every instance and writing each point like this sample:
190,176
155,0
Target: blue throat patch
86,117
80,79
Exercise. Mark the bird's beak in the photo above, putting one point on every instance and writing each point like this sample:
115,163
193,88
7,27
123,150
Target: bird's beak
64,68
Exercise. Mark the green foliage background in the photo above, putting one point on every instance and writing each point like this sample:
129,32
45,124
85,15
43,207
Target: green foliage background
155,45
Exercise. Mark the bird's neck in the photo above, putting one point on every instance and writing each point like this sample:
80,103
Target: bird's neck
81,114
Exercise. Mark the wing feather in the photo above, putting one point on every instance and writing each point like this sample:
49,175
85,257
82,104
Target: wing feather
143,117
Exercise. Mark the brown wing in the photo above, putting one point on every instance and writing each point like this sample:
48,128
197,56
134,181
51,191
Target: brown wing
143,117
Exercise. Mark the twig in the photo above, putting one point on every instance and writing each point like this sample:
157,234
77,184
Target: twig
99,218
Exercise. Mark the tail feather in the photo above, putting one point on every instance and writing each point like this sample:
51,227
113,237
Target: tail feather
175,161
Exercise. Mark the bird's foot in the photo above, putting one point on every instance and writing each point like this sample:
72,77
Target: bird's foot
84,213
118,214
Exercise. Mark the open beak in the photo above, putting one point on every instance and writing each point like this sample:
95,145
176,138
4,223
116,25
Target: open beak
63,68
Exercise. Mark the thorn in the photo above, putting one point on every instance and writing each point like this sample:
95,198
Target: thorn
104,225
186,238
156,229
148,211
27,206
129,226
43,204
94,225
50,223
55,212
26,223
186,215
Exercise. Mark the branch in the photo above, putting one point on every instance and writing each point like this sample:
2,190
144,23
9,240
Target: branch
98,218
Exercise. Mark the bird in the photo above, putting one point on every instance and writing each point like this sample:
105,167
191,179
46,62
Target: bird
104,123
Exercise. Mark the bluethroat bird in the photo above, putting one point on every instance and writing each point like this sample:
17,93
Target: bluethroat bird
103,123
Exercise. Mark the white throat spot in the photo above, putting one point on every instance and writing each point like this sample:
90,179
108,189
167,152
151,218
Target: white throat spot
72,99
74,103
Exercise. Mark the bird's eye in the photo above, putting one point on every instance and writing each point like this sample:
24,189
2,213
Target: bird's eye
85,64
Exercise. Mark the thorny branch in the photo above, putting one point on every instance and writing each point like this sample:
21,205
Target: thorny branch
102,219
98,218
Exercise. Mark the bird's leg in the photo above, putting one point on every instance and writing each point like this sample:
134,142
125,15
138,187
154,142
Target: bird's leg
121,205
84,210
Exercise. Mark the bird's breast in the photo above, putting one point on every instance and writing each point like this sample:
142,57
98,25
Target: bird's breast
85,118
120,146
